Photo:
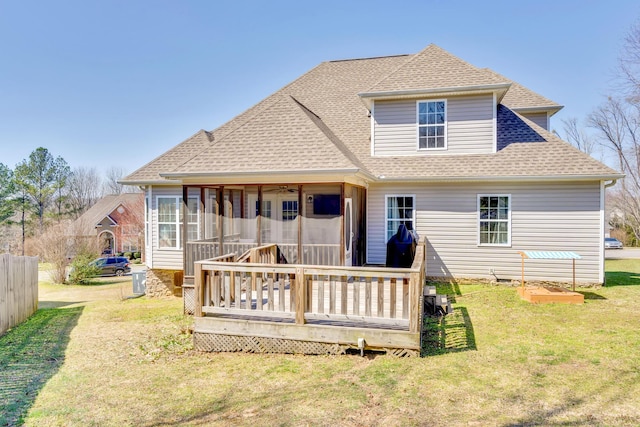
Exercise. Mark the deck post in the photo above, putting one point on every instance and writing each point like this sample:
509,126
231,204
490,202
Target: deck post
198,289
416,282
301,295
414,302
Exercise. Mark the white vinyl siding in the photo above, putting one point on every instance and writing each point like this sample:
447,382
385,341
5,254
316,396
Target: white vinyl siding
541,119
469,127
544,216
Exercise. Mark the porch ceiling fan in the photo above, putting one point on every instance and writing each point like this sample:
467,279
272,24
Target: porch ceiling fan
281,189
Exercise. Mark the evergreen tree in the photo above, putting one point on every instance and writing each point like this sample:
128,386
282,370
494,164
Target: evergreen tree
37,178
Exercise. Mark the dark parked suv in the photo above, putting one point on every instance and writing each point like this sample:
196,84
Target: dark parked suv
110,266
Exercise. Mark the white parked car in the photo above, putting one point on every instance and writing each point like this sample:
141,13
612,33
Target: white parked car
612,243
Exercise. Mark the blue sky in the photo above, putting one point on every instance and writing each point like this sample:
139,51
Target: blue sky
117,83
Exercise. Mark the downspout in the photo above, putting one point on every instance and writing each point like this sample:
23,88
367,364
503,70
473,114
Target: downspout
602,250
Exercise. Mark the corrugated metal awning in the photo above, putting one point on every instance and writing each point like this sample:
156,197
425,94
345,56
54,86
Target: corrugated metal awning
550,255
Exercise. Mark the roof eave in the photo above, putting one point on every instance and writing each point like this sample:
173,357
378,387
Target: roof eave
540,109
148,182
181,177
499,88
520,178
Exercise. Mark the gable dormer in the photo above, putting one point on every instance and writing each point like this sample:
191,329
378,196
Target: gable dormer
435,103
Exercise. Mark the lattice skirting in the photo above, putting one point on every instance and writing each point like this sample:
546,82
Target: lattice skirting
237,343
188,299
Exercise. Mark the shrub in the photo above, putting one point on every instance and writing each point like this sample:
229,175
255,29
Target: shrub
82,271
127,255
137,255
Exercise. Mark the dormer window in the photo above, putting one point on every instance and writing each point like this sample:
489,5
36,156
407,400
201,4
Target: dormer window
432,125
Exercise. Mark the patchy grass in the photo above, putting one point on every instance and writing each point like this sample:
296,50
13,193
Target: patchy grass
622,272
496,360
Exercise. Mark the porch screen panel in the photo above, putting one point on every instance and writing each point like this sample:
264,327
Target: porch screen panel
321,222
211,213
193,218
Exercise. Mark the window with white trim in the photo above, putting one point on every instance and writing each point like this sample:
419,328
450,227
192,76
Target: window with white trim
289,223
432,125
494,219
170,221
400,209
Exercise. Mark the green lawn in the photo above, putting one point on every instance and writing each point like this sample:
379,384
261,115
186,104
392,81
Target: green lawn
108,361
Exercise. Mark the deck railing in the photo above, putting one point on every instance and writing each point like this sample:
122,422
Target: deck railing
385,297
312,254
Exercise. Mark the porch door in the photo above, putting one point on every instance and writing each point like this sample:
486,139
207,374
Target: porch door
279,212
348,232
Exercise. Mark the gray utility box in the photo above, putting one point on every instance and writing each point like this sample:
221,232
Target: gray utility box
139,282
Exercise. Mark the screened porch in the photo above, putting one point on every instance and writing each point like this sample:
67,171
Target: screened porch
312,224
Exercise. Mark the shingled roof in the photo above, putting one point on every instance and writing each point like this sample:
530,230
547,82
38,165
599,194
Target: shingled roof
318,122
85,225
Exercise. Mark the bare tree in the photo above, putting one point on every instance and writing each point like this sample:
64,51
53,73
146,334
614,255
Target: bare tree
60,243
618,126
54,247
84,189
629,64
577,136
112,185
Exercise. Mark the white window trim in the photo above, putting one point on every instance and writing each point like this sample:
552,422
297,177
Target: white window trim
178,224
386,210
446,122
508,244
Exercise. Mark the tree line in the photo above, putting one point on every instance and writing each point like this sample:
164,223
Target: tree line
42,190
615,126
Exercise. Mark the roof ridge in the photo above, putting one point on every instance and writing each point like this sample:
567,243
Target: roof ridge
411,57
333,138
370,57
201,131
525,88
436,58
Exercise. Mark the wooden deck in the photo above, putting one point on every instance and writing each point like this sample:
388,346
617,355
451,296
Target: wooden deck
268,307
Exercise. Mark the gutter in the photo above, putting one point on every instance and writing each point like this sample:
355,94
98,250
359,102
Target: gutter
183,175
541,109
611,184
547,178
150,182
418,92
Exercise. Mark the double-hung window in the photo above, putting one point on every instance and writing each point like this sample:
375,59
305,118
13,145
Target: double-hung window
494,219
170,221
400,209
432,125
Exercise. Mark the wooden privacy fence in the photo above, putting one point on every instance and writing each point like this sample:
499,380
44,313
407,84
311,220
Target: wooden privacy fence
18,290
